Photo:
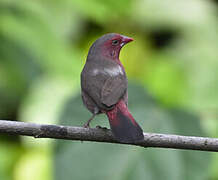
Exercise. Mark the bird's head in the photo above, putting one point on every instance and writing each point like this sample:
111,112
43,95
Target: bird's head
109,45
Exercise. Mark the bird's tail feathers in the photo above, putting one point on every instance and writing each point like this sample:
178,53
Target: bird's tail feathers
123,125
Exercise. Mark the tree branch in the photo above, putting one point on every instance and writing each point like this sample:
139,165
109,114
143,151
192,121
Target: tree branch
105,135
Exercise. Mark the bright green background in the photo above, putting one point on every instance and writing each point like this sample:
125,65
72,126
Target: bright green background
173,85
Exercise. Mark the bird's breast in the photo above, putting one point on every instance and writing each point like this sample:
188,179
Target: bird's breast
111,71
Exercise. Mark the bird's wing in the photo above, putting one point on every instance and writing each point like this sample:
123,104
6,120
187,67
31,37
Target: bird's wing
113,90
106,86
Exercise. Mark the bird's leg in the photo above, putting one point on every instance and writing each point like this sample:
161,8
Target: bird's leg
86,125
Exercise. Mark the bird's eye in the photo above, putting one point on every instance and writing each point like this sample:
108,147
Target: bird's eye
115,42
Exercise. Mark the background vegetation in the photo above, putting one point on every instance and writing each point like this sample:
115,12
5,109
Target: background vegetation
173,85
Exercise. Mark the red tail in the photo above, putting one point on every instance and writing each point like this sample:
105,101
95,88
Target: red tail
123,125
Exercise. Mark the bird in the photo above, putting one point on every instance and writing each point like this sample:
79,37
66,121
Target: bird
104,87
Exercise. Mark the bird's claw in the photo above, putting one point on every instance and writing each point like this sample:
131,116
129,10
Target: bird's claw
86,125
99,127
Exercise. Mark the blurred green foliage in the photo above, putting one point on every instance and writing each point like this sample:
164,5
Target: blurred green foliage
104,161
173,62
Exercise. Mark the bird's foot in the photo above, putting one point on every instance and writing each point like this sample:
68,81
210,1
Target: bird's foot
99,127
86,125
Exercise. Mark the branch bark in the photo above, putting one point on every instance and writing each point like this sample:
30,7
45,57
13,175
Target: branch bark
105,135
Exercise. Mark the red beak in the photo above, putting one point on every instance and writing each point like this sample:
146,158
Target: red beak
126,39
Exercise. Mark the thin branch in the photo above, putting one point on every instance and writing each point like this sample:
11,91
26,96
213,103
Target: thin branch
105,135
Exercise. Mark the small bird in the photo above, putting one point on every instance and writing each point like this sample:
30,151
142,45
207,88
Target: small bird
104,87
